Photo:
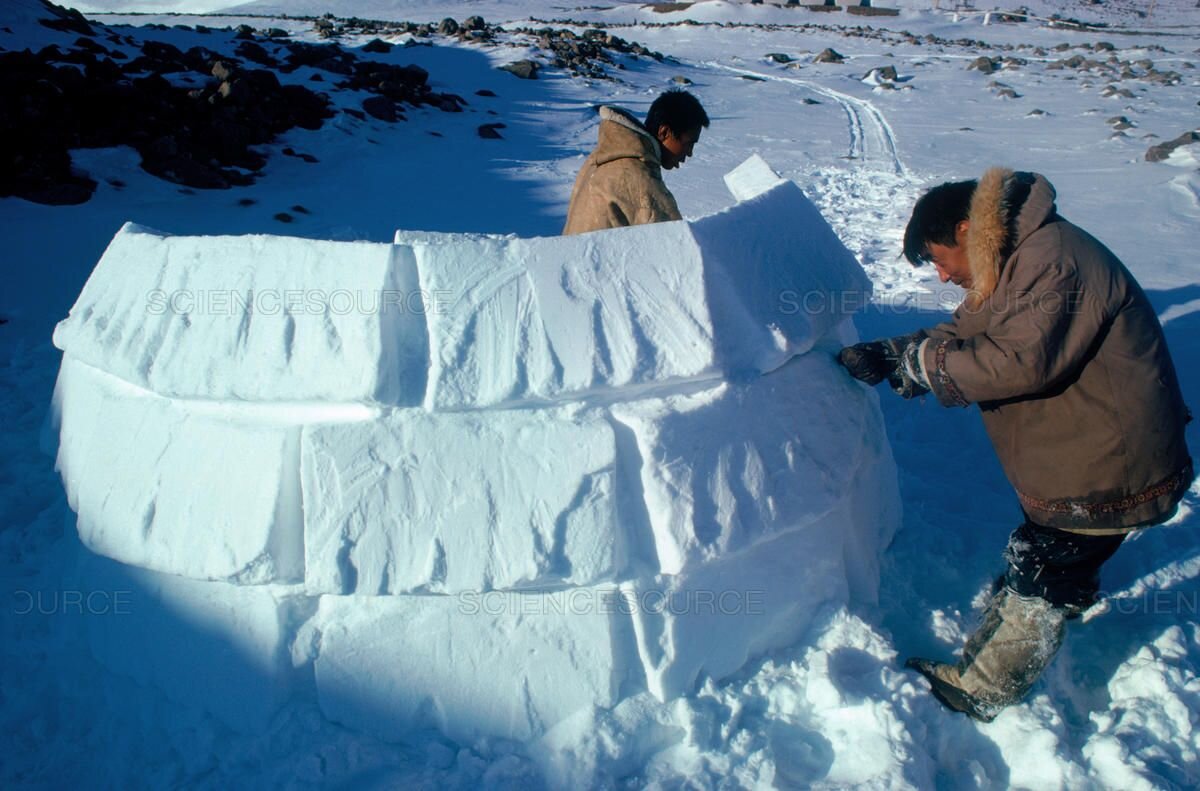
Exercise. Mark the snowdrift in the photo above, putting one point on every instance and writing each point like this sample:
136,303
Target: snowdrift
478,483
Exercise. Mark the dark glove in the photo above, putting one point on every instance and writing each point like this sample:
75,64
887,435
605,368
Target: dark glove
869,362
903,379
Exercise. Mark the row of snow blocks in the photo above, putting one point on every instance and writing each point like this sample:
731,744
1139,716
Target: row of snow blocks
455,322
576,469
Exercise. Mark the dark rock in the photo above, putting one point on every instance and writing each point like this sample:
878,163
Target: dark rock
447,27
474,23
246,202
335,66
829,55
284,217
276,32
983,64
1120,122
223,70
485,92
244,32
380,107
256,53
66,20
883,73
161,50
525,69
300,209
779,57
490,131
377,45
1163,150
679,79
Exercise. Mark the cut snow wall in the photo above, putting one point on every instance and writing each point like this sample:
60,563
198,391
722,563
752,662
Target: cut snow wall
478,482
253,318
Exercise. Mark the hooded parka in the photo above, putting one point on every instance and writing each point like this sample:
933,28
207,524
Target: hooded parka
1063,353
621,182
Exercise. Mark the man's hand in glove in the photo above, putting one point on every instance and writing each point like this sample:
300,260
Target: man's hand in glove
894,359
907,378
869,362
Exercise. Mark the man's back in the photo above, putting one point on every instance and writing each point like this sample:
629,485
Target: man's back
621,182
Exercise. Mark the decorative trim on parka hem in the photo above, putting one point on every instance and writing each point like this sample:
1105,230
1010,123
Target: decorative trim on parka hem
943,376
1180,479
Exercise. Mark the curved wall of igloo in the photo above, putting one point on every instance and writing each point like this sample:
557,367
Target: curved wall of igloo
475,482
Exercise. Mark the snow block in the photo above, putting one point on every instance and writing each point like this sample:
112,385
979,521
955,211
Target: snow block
651,306
158,485
420,502
778,277
751,178
213,646
739,463
259,318
497,664
549,318
709,621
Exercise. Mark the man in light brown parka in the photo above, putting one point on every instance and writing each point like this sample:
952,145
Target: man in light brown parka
1060,348
621,183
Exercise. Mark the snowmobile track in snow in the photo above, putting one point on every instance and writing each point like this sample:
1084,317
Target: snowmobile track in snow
872,140
866,203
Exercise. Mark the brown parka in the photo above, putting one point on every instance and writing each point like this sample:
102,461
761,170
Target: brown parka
1062,351
621,182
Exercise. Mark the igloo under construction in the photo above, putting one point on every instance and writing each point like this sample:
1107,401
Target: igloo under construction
471,482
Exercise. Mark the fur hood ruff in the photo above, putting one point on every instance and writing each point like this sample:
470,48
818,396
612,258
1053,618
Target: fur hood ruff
1005,208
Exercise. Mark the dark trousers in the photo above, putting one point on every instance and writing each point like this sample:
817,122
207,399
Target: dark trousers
1061,567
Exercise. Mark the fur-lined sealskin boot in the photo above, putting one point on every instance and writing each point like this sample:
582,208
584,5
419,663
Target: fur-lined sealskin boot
1014,643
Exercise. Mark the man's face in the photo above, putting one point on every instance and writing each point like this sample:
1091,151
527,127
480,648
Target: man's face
676,148
951,262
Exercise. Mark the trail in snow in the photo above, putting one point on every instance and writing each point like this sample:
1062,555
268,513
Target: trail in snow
868,203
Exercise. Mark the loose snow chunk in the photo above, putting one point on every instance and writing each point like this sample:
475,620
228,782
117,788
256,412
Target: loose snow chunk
736,464
158,486
209,645
537,319
778,276
261,318
466,501
471,665
751,178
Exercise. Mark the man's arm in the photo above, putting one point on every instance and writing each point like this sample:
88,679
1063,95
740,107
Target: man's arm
1038,333
656,206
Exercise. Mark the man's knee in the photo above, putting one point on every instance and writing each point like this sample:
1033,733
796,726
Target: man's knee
1060,567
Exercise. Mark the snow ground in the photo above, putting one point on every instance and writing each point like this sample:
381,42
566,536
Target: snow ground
1119,706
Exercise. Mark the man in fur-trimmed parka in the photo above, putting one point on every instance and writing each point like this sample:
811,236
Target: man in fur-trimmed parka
621,183
1060,348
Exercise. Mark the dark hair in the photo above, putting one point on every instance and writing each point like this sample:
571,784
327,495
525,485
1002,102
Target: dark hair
678,110
935,217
